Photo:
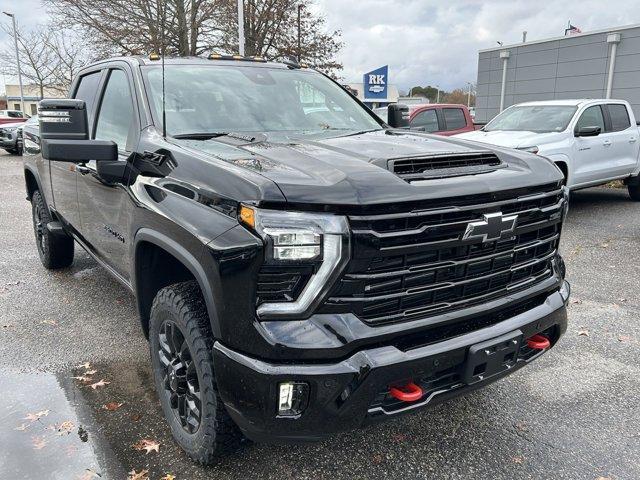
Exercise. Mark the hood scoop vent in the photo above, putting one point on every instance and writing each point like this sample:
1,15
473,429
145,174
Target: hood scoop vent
443,165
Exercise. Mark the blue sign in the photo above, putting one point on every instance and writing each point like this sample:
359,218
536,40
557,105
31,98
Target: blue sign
375,83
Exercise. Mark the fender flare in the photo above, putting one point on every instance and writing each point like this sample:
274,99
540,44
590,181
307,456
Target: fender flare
189,261
564,158
34,172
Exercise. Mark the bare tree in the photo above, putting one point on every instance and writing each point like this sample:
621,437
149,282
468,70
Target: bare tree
272,31
135,26
70,56
194,27
37,59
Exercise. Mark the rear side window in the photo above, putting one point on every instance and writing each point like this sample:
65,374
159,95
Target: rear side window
454,118
591,117
619,117
87,89
428,119
115,118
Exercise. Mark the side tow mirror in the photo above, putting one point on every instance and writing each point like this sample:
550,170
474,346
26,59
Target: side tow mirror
64,131
398,115
588,131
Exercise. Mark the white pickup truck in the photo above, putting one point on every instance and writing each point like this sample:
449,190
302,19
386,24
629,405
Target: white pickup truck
591,141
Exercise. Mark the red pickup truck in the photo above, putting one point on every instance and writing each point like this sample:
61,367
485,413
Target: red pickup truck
12,116
439,118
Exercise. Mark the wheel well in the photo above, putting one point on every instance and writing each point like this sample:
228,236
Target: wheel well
155,269
565,170
31,183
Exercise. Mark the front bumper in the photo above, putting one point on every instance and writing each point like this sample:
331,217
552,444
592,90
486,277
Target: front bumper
353,392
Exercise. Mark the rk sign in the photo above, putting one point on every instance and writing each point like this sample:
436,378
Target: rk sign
375,84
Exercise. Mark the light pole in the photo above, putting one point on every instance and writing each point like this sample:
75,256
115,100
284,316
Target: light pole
438,94
15,41
469,94
241,27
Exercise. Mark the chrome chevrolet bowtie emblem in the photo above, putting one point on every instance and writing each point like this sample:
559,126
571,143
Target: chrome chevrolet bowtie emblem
492,227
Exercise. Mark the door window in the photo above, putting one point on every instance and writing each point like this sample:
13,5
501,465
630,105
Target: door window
454,118
115,118
427,119
87,89
591,117
619,117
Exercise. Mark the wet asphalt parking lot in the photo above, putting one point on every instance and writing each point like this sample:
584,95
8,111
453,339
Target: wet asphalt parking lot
574,413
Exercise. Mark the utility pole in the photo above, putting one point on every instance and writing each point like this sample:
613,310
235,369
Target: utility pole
241,27
300,32
524,37
469,94
15,42
438,95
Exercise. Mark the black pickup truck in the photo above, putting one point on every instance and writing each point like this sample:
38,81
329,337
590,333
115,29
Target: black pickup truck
300,267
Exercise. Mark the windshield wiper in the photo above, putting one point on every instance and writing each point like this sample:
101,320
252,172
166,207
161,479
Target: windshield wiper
200,136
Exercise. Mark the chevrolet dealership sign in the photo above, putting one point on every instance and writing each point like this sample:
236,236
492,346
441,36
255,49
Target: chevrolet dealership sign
375,83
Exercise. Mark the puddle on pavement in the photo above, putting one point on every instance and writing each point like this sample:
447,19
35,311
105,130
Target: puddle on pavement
59,427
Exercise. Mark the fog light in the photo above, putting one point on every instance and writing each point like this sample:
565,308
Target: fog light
292,398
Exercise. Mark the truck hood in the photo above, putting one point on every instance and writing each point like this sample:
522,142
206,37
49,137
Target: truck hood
511,139
352,169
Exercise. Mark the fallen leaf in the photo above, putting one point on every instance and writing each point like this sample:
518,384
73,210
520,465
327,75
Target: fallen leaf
112,406
85,365
376,459
83,379
53,323
604,478
90,372
32,417
399,437
576,301
517,460
101,383
88,475
8,325
624,338
168,476
22,427
141,475
148,445
136,417
38,443
583,333
521,426
65,428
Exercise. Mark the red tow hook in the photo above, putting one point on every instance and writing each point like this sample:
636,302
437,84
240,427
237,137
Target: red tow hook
538,342
407,393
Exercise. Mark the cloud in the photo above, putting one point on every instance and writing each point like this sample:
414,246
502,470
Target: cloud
428,41
434,42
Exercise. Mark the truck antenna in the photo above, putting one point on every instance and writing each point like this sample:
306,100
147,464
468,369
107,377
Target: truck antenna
163,46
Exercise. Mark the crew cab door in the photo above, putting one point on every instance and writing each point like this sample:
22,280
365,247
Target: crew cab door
623,151
63,175
425,121
591,154
105,205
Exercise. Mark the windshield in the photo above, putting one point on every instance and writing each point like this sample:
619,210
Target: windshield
216,99
533,118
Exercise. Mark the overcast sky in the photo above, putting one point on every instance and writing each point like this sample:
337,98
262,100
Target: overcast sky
429,41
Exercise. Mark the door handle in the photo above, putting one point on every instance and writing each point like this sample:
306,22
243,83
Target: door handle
606,143
82,169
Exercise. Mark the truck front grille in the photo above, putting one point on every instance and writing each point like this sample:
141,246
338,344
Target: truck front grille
416,264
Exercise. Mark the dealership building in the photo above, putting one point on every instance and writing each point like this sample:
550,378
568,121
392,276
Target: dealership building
600,64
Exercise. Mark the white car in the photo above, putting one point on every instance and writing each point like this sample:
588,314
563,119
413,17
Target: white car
591,141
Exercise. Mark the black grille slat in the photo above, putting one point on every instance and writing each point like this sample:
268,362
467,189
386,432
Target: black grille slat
398,273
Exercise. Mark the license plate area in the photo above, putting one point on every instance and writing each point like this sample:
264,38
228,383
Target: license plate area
492,357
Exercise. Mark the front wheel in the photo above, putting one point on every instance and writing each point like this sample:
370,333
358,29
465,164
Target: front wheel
634,192
55,251
181,346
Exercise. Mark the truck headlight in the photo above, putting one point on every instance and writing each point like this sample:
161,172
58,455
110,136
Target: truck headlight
299,238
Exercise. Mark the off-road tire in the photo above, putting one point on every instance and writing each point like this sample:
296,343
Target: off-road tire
634,192
217,434
55,251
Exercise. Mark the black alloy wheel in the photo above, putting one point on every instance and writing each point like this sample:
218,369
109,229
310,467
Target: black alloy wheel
180,377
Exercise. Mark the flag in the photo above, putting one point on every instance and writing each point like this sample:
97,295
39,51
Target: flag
572,30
